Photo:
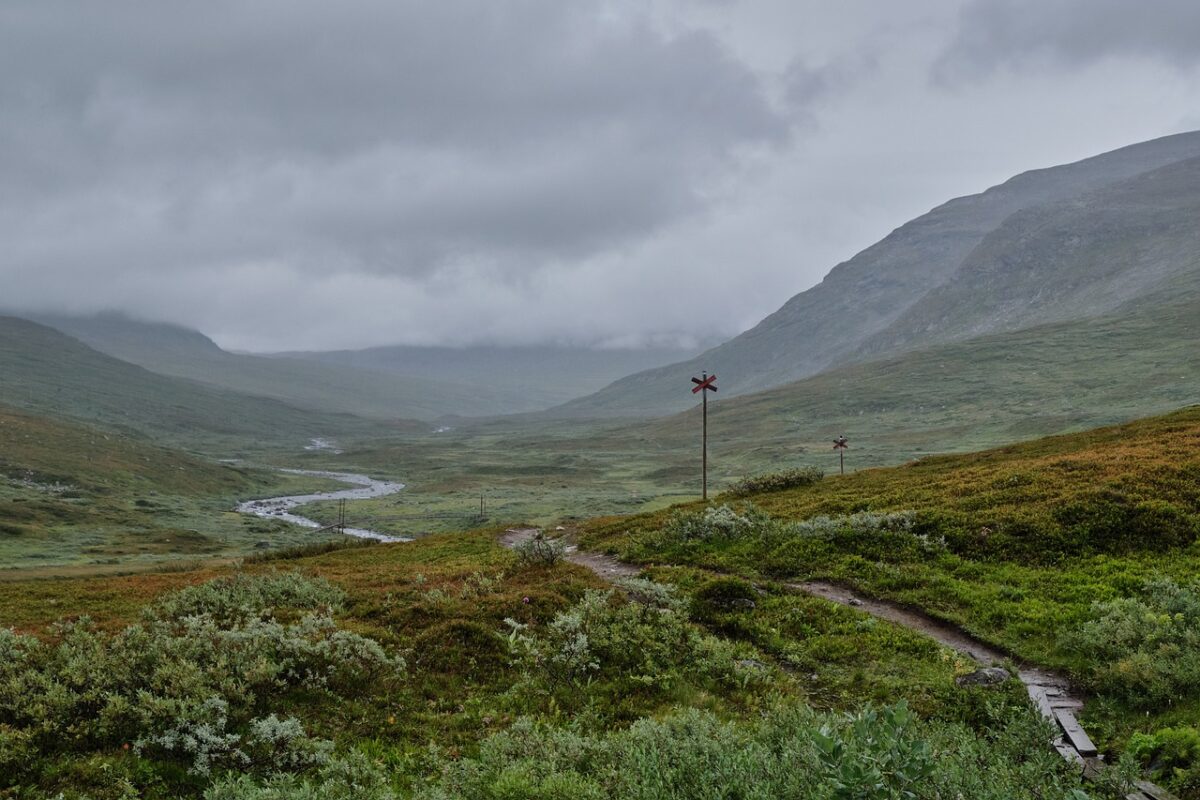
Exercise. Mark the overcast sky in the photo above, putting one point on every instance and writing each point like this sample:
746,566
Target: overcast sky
307,174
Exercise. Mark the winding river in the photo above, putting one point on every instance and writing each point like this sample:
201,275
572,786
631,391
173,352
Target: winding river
364,488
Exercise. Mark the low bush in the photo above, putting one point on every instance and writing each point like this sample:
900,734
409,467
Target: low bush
714,522
871,534
1110,522
351,777
1171,755
632,647
538,550
651,593
195,683
1144,650
245,596
722,596
776,481
788,751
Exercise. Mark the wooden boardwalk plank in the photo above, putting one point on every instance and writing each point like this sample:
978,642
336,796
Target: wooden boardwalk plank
1038,695
1075,733
1154,792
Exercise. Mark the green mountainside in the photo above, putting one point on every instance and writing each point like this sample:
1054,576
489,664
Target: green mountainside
52,374
890,295
75,499
1141,359
319,385
1073,259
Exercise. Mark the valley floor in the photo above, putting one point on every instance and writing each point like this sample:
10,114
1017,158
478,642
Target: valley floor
456,666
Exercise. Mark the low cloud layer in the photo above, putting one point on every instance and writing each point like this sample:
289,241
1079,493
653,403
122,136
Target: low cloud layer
305,175
1033,34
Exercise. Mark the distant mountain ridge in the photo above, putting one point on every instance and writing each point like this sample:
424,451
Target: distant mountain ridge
386,383
184,353
1071,259
923,283
52,374
979,392
549,374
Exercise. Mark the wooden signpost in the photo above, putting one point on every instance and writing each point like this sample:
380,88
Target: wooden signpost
704,385
840,444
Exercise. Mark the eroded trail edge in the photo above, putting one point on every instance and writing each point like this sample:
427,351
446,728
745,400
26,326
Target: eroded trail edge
1051,693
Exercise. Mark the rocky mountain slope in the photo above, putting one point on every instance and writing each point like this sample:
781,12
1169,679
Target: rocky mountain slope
1062,243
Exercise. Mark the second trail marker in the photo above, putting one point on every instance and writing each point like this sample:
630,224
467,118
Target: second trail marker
703,386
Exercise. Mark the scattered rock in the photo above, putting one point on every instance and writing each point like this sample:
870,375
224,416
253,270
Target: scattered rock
560,528
854,601
752,664
987,676
742,602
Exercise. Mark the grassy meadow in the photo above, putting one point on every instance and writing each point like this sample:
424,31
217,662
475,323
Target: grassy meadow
155,643
74,498
1078,552
453,667
461,672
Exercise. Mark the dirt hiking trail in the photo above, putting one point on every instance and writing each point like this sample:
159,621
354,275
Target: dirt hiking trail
1051,694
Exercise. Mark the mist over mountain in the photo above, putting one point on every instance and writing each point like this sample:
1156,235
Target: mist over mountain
1067,242
52,374
544,375
378,383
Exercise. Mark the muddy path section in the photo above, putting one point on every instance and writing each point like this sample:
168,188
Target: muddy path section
362,488
607,567
1050,693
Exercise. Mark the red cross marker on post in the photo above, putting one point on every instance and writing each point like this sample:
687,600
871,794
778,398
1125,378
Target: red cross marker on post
703,386
840,444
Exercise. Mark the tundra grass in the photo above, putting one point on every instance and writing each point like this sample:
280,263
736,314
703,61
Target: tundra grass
444,601
72,496
1022,540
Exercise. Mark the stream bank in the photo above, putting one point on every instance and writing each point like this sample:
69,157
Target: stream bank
364,488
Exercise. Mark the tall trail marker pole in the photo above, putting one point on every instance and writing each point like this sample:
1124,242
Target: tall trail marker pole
703,386
840,444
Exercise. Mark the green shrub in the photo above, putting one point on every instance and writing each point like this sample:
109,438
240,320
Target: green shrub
717,598
17,751
787,751
243,596
538,550
878,536
603,637
195,682
1171,755
776,481
651,593
715,522
781,546
351,777
1109,522
460,646
1146,649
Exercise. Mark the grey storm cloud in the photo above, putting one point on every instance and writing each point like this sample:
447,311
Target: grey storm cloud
304,174
390,137
1011,33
